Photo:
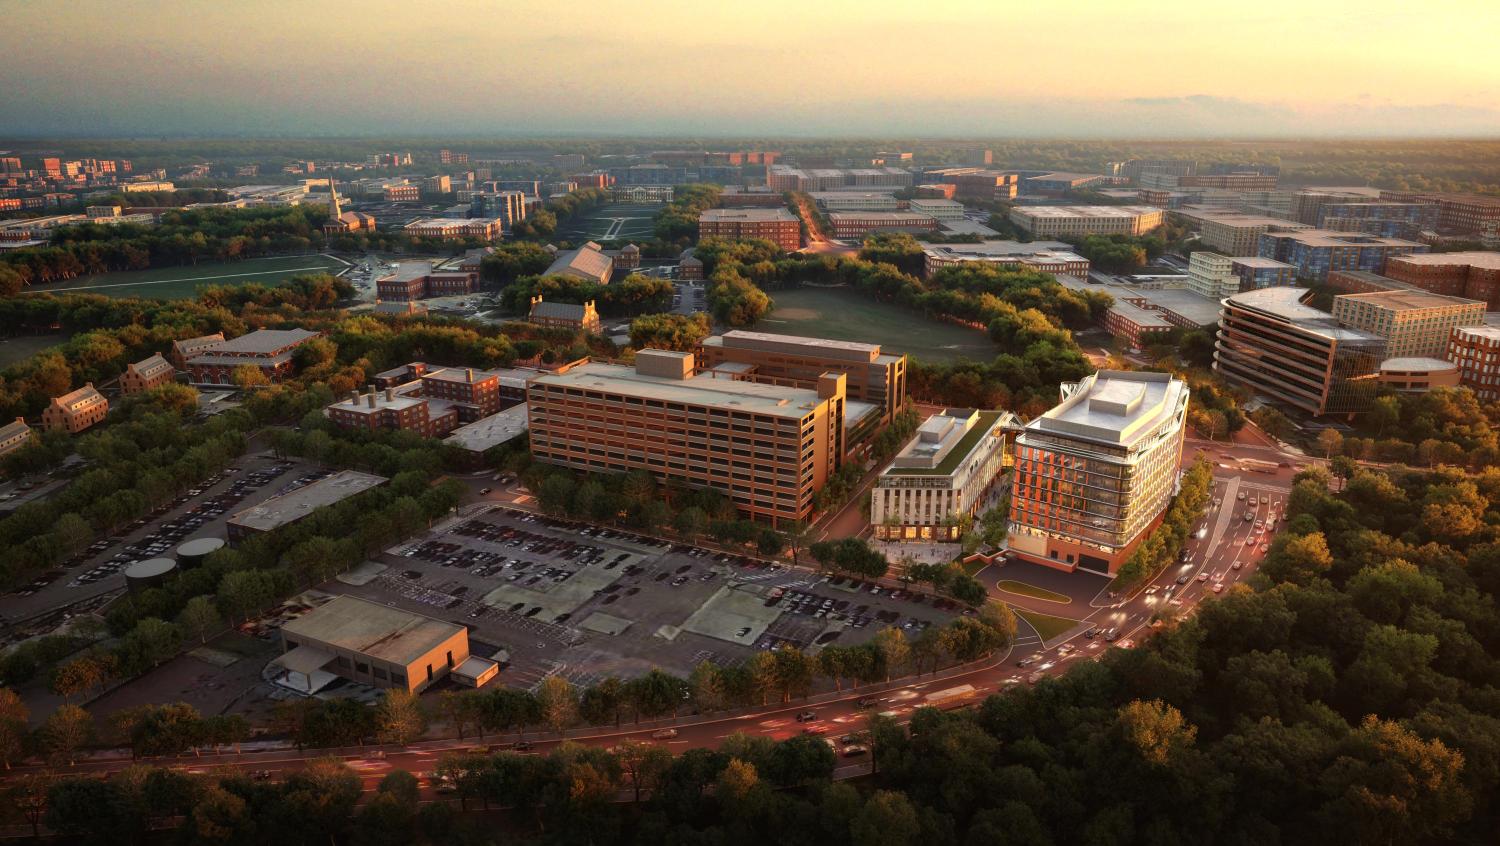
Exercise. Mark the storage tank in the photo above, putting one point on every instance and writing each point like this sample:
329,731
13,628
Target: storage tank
192,553
150,573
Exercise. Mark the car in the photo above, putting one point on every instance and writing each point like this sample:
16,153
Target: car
1237,565
483,491
1203,576
1265,500
867,702
1250,541
1182,580
1111,633
1065,649
1249,515
1091,633
854,751
679,581
1241,496
260,775
664,734
1264,547
1127,643
806,716
1218,587
814,730
522,746
1034,678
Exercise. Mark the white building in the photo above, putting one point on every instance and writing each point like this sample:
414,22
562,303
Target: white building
1212,275
945,471
938,208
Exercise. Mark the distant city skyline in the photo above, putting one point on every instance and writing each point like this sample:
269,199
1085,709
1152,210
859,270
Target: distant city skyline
1075,68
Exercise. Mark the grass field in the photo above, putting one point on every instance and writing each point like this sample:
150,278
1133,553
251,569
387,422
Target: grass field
23,347
846,316
1024,589
618,220
1046,625
179,283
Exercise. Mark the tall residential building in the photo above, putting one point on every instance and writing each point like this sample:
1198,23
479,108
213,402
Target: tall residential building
947,470
1212,275
1057,221
1314,252
1276,345
1256,272
1474,275
1458,214
1415,324
768,448
1095,473
777,225
873,376
76,410
1476,351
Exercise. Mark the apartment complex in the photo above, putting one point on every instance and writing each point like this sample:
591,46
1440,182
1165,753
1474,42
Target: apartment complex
1273,343
947,470
415,280
268,350
1458,214
1476,352
1058,221
1042,256
787,178
1095,473
1415,324
1315,252
777,225
872,376
860,224
564,315
76,410
146,374
371,644
589,262
1256,272
769,448
1473,275
1212,275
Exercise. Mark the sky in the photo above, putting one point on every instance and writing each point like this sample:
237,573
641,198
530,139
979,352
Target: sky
925,68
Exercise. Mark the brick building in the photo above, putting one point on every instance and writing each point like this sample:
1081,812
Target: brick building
564,315
14,435
1476,352
186,348
1473,275
269,350
76,410
777,225
857,224
146,374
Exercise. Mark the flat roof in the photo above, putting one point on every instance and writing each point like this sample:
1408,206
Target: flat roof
771,342
1085,211
406,271
1257,261
879,215
947,449
747,215
1473,258
1331,238
1143,317
1114,406
700,389
1286,303
852,195
1409,300
1417,364
371,629
294,505
491,431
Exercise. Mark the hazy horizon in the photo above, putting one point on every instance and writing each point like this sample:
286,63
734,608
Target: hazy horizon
1072,69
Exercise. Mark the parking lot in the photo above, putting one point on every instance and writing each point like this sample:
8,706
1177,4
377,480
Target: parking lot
199,511
552,597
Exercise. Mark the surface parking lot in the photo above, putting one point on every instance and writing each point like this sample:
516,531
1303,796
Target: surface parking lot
586,602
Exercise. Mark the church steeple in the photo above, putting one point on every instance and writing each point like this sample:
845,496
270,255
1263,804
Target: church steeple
334,212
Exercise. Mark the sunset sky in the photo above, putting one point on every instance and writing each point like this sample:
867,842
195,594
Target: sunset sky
933,68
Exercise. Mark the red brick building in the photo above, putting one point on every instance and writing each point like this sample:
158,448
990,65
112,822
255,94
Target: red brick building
188,347
1476,352
415,280
393,410
1473,275
269,350
76,410
777,225
857,224
474,393
1458,214
145,375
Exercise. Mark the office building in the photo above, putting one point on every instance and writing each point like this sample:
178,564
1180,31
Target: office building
1273,343
860,224
942,210
1415,324
509,207
1094,474
1133,168
1042,256
873,376
1222,181
768,448
1458,214
1475,350
268,350
288,508
736,196
1135,324
76,410
146,374
589,263
1212,275
1472,275
777,225
14,435
456,228
1059,221
857,201
569,316
1256,272
1314,252
1058,184
1389,219
1231,233
371,644
486,433
947,470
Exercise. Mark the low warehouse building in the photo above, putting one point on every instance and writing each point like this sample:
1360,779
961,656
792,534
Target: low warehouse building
369,643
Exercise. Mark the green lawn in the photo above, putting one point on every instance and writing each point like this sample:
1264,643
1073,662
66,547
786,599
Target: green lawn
1046,625
844,315
613,222
1024,589
180,283
22,347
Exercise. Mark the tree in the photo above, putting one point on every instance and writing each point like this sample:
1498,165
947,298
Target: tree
559,703
221,817
1330,441
151,642
1155,730
644,765
14,716
29,796
78,676
400,717
199,618
66,731
690,523
602,703
887,819
893,649
706,686
249,376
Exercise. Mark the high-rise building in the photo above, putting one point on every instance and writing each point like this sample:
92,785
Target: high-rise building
1095,473
768,448
1212,275
945,472
1476,351
1314,252
873,376
1273,343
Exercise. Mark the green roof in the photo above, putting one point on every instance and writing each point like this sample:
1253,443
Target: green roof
959,452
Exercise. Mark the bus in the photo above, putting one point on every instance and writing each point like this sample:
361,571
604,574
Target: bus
953,697
1256,465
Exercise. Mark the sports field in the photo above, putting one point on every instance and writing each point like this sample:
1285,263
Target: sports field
843,315
612,222
179,283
